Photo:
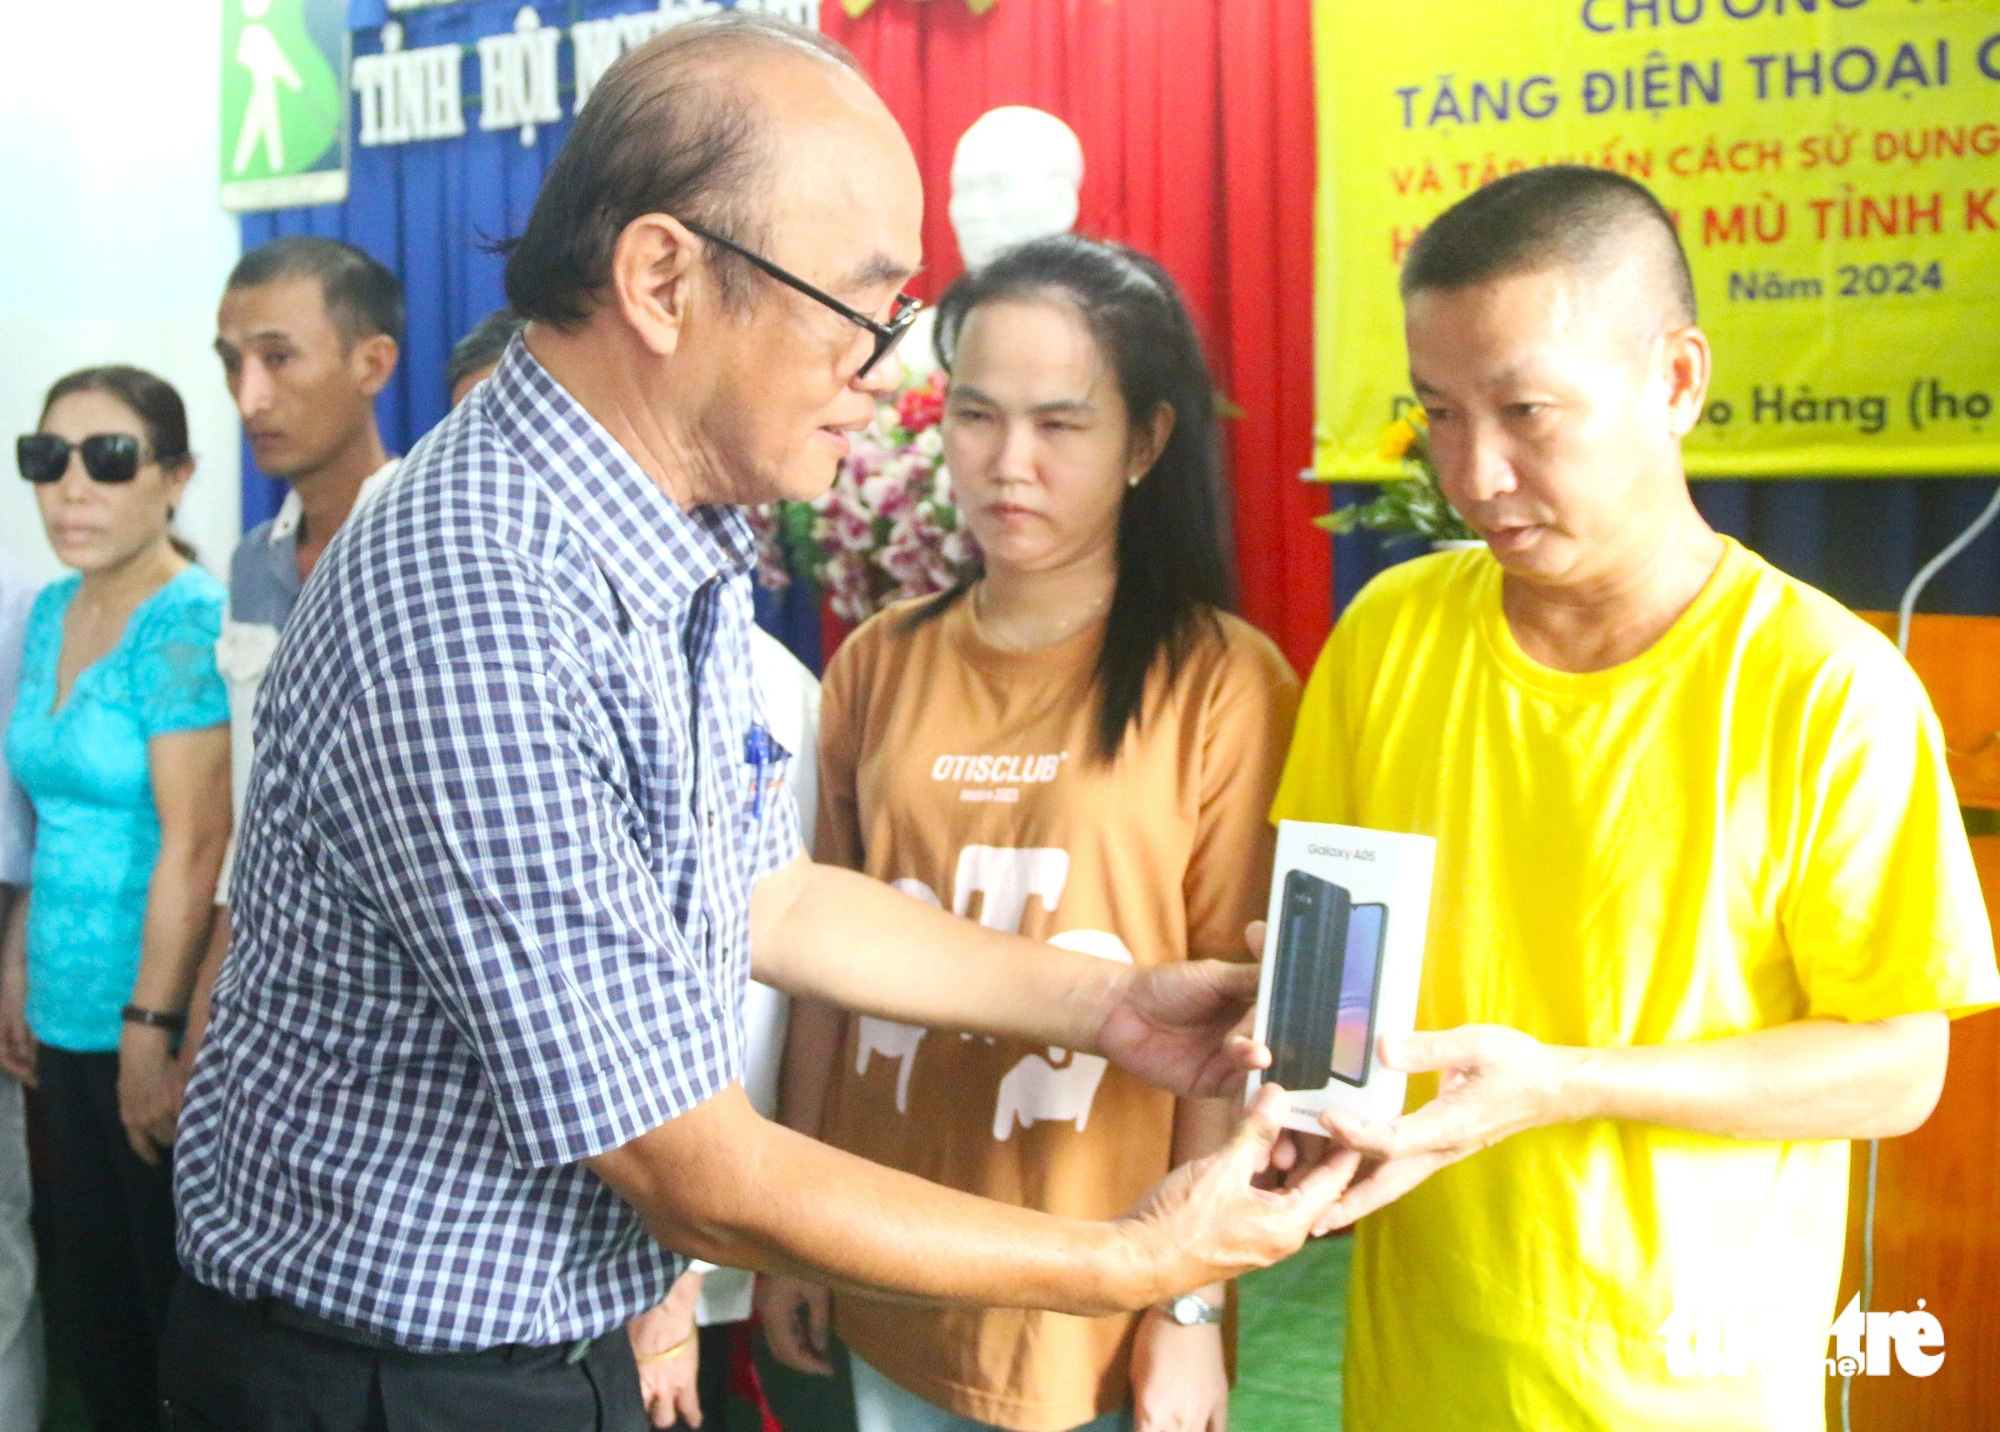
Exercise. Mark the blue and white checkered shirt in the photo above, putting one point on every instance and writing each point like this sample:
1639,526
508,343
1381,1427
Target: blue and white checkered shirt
492,910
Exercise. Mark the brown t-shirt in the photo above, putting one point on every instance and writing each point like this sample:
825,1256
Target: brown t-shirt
965,775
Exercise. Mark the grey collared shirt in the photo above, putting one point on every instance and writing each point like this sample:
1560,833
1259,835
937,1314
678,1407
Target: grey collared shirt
264,570
263,588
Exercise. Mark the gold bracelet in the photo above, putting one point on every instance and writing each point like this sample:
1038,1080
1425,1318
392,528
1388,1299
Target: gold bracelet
642,1358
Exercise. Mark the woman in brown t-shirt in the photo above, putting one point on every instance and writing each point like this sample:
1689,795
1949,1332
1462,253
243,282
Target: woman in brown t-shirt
1081,746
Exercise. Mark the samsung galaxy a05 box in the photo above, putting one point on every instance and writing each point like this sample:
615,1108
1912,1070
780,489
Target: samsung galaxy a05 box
1342,961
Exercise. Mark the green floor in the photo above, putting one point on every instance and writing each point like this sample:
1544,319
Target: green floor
1293,1324
1292,1327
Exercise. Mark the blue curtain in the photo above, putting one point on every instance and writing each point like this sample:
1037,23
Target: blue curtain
1858,540
428,211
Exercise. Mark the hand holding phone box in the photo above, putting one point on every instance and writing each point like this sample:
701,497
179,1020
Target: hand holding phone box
1349,908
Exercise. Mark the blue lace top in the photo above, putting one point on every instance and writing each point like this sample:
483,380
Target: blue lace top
85,767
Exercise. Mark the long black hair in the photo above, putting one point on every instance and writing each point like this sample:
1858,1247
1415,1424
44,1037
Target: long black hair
1174,571
157,405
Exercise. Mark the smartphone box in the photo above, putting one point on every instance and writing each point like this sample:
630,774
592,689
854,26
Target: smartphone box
1342,963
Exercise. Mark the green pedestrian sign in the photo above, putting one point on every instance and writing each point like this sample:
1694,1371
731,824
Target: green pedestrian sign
284,103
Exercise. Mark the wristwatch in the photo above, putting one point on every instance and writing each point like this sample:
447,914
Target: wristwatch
1191,1310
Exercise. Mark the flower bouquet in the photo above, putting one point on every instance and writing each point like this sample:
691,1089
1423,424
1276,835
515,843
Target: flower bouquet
1410,508
887,529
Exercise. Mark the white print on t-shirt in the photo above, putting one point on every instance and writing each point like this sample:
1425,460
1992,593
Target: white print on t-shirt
998,770
1040,1089
885,1036
1004,879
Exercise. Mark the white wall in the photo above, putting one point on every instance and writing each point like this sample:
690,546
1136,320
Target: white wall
112,245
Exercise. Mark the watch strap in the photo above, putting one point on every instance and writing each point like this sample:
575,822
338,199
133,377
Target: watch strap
154,1019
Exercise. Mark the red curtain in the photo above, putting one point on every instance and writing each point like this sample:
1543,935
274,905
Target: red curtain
1196,118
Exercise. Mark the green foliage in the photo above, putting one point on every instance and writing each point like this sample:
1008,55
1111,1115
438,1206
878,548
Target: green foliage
795,537
1410,509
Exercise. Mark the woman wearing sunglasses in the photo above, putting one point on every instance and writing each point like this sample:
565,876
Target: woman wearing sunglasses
120,737
1080,745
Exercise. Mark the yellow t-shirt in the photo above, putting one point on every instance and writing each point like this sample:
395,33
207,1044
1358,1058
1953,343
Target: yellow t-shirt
963,774
1747,825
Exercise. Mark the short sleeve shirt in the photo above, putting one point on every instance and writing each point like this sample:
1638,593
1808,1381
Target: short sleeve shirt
263,588
492,896
87,767
966,776
1747,825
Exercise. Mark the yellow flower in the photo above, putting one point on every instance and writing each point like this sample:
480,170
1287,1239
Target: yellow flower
1397,440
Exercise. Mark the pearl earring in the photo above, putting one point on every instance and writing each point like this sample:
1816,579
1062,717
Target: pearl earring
1133,480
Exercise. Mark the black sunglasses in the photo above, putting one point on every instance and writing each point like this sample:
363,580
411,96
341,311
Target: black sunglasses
107,457
887,335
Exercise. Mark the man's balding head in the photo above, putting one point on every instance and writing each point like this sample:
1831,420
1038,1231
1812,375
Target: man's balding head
715,253
678,126
1588,222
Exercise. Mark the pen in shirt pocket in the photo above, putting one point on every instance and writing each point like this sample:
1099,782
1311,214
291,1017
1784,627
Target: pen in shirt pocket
762,751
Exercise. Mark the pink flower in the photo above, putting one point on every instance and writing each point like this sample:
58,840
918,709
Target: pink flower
886,495
772,574
905,565
959,549
887,528
939,573
849,589
863,460
847,526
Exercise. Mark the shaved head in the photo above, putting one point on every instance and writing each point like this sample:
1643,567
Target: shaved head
1549,319
1565,217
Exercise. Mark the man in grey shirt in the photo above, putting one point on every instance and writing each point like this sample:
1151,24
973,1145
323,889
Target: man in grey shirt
309,331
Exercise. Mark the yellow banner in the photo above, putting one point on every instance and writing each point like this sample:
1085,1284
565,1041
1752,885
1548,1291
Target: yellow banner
1831,165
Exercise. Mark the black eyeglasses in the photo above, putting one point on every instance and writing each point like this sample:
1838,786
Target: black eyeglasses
887,335
107,457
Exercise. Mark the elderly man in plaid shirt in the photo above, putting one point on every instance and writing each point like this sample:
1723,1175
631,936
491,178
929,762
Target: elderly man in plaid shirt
512,846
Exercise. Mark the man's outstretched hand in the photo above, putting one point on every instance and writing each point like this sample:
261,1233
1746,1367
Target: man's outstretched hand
1209,1221
1493,1083
1186,1026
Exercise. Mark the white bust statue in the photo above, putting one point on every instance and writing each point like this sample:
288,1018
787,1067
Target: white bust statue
1014,176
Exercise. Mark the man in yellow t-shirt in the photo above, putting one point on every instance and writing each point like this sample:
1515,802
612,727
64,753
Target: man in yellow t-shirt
1704,903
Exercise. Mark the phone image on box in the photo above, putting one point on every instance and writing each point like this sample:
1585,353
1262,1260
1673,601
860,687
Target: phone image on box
1360,987
1340,969
1307,982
